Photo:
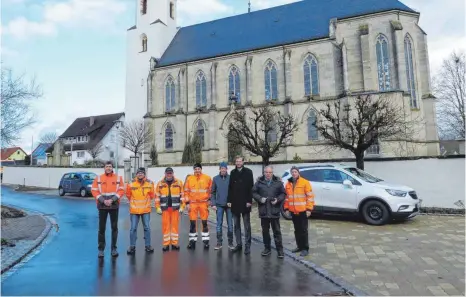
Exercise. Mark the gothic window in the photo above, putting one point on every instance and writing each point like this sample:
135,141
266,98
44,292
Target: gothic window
169,137
311,76
144,43
234,84
172,10
200,132
410,71
143,6
311,128
383,63
271,83
201,90
170,95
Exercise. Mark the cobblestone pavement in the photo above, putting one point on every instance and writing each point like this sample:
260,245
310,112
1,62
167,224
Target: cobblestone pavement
26,233
424,256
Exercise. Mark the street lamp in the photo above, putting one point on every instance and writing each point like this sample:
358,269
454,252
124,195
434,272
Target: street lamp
118,123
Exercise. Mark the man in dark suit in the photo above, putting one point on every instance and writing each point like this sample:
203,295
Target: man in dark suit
240,202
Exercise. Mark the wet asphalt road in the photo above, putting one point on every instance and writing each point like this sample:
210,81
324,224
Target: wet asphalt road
68,263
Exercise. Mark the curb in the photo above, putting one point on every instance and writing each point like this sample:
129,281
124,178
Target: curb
339,282
39,240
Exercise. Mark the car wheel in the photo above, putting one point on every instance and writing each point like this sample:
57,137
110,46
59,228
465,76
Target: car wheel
61,191
375,213
83,192
283,212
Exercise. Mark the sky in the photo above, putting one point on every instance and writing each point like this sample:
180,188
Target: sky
76,48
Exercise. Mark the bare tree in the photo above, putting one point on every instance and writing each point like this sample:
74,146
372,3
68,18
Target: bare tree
356,127
262,131
450,89
192,152
95,151
136,136
49,137
154,155
16,98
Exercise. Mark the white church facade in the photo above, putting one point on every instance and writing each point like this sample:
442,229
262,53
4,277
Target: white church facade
299,55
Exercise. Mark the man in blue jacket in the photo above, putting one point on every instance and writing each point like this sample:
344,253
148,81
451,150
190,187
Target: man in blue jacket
219,204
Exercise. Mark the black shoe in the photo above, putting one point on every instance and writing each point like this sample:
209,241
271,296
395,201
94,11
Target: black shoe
131,250
218,246
237,248
165,248
101,254
247,250
114,253
266,252
206,245
296,250
281,255
192,245
304,253
149,249
175,247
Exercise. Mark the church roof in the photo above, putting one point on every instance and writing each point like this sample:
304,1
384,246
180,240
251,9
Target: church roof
285,24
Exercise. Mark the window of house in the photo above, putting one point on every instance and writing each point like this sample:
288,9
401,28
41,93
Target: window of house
271,83
80,154
312,133
383,63
311,76
172,10
144,43
201,90
234,83
200,133
410,77
143,6
168,137
170,95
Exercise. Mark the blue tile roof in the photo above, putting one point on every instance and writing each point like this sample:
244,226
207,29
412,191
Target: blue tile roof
286,24
41,150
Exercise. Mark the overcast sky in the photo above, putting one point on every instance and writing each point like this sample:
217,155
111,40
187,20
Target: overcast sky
76,48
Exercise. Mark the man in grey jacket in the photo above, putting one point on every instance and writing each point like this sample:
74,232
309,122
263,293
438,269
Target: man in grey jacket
269,193
219,204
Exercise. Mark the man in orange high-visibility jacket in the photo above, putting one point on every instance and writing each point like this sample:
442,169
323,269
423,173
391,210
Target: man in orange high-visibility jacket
299,201
107,190
169,202
197,190
140,194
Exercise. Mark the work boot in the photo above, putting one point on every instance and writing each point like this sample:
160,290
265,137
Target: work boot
237,248
296,250
247,250
281,255
165,248
114,253
218,246
101,254
266,252
175,247
191,245
231,246
206,245
149,249
304,253
131,250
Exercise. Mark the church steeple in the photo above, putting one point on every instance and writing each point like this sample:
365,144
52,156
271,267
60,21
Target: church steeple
150,11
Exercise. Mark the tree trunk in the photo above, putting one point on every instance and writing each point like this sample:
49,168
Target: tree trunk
265,162
359,159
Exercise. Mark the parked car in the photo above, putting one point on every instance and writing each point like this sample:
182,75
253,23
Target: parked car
341,189
76,183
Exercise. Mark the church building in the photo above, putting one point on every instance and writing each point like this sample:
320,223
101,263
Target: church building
186,80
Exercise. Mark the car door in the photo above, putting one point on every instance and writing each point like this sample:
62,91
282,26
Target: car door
66,183
75,183
315,177
338,196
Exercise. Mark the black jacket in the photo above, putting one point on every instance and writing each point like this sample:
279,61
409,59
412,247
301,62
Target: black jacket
240,190
263,190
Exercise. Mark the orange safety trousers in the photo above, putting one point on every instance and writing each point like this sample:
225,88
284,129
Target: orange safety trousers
198,209
170,224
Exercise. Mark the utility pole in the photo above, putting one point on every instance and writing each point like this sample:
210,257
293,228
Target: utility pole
32,150
117,126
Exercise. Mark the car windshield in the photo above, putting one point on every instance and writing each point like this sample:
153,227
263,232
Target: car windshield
89,176
363,175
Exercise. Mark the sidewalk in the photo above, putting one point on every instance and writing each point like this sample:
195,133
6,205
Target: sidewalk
26,233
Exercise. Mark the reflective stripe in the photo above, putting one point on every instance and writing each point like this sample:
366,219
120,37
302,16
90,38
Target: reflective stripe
198,201
205,233
297,196
94,189
175,204
199,191
297,203
99,183
309,193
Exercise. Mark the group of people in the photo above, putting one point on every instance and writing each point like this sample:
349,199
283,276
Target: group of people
229,195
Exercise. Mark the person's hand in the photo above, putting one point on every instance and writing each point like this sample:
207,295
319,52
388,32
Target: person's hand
308,213
263,200
229,205
274,201
159,210
287,212
108,202
181,209
214,208
248,204
187,207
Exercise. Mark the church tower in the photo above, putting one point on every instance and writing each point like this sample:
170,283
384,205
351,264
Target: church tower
155,28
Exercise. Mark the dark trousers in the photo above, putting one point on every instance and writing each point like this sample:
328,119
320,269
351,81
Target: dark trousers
277,234
300,222
247,228
103,213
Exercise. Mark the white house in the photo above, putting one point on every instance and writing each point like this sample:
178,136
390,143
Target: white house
95,133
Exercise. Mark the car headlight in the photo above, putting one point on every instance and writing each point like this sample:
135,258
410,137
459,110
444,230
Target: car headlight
397,193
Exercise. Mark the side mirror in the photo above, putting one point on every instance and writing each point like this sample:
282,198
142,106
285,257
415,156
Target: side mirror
347,183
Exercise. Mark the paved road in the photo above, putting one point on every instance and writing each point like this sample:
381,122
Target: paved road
68,265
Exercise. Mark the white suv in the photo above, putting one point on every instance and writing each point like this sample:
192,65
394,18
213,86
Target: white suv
344,189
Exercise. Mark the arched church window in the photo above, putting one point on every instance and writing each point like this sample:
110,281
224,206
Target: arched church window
383,63
234,83
170,94
271,83
200,131
311,76
201,90
144,43
311,128
169,137
410,77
